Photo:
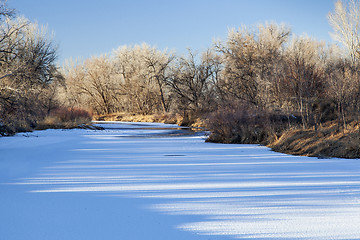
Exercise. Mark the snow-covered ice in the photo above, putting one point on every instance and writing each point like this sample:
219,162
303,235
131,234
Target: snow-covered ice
135,182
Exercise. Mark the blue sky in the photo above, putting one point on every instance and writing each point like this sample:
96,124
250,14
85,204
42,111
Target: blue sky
84,28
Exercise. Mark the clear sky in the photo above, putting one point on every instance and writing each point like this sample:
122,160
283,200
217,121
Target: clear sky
84,28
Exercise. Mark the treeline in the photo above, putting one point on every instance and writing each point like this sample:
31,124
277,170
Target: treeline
144,80
263,70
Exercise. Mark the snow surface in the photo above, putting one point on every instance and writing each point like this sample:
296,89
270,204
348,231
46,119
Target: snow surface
133,182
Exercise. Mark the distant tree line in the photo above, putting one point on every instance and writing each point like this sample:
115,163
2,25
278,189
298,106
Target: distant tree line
264,68
144,80
259,75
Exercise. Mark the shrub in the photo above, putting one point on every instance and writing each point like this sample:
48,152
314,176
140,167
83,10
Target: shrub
246,124
65,118
19,122
71,114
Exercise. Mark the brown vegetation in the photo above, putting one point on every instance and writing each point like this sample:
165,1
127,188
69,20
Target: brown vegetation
65,118
326,142
246,124
286,135
169,118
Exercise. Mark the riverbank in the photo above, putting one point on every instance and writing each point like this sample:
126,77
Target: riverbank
328,141
168,118
61,118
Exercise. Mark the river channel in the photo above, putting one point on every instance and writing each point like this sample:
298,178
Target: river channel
137,181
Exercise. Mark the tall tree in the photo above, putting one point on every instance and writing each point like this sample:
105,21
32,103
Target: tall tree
250,61
192,81
345,21
143,72
27,70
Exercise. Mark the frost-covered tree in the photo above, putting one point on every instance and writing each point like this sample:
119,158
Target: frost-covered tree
143,72
193,81
251,60
345,21
27,70
304,80
132,79
91,85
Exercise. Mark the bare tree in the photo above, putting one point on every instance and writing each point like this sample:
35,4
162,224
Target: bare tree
250,59
27,70
304,81
12,41
343,86
157,63
192,81
143,71
345,21
271,41
92,85
239,55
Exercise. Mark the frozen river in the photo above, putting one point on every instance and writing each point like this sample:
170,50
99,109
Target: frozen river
158,182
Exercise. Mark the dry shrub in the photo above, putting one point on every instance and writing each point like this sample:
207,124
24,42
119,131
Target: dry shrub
245,124
14,125
71,114
65,118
